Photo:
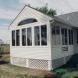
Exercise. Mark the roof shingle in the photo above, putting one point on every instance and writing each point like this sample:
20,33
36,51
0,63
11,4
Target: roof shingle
72,18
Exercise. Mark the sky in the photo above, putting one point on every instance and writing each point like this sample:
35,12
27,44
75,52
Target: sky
9,9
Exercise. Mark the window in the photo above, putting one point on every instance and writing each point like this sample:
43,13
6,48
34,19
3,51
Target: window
29,37
27,21
70,37
13,38
23,37
17,38
37,35
55,35
77,36
43,35
64,36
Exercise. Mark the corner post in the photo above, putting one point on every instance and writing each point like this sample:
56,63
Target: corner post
49,32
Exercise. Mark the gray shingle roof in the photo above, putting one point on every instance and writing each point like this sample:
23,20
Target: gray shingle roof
72,18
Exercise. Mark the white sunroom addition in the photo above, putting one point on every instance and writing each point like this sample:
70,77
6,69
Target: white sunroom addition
40,41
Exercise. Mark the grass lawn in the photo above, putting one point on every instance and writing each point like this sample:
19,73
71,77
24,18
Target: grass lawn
5,48
67,71
10,71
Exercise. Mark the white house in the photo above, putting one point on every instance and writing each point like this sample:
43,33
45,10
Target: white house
40,41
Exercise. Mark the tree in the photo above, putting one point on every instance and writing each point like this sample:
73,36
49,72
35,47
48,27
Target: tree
45,9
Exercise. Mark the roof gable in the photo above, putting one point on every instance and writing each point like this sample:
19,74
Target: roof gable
28,12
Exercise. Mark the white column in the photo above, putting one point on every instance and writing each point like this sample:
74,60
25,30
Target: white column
10,45
32,33
27,62
20,37
49,41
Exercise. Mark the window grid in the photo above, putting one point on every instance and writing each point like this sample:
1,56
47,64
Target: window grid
70,40
19,33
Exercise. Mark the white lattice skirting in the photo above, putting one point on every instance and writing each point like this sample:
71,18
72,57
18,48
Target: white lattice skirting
31,63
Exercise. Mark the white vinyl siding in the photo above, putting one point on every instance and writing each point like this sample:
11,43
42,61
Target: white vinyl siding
31,52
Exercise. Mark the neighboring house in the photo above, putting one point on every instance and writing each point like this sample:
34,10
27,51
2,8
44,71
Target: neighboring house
1,41
8,42
40,41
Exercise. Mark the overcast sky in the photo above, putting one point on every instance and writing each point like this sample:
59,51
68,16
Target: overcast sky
9,9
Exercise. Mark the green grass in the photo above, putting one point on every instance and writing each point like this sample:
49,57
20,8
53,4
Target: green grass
10,71
67,71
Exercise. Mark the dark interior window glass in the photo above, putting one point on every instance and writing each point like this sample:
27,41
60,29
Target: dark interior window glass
65,32
62,32
57,30
29,37
43,35
72,36
27,21
13,38
53,35
24,37
64,36
53,30
17,38
37,35
77,36
66,41
69,37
